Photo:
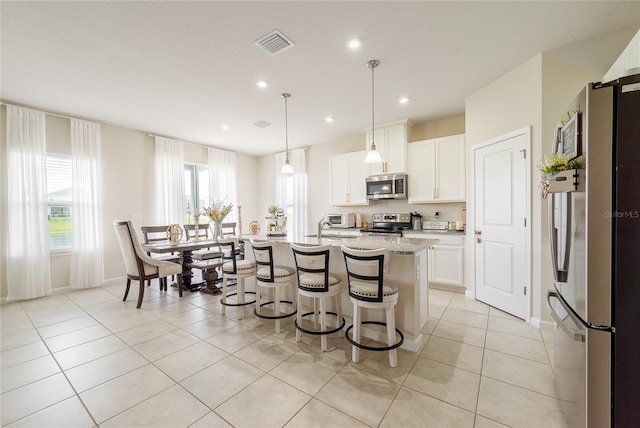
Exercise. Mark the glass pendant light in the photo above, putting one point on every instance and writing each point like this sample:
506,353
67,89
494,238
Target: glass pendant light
373,156
287,169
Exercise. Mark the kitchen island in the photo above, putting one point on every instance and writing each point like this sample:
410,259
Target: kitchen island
407,269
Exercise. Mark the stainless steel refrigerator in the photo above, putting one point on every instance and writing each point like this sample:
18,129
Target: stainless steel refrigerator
594,221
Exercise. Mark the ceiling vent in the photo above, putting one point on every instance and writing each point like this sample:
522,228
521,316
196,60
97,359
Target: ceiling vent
262,124
274,42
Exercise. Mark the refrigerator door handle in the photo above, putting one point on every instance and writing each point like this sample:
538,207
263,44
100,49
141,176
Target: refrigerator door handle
574,315
577,335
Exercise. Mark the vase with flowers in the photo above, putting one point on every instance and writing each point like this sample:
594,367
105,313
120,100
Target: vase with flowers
556,164
216,213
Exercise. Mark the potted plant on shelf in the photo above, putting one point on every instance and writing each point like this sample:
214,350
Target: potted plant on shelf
272,210
216,213
554,165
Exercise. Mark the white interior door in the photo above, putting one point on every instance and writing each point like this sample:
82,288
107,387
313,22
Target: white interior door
500,213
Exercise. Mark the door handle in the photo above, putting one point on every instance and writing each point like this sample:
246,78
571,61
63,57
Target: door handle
478,233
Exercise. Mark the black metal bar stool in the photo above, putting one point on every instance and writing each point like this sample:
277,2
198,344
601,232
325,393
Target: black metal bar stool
273,277
316,282
365,275
233,268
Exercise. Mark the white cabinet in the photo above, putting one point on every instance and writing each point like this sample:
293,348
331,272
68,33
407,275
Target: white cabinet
446,258
347,175
436,170
391,141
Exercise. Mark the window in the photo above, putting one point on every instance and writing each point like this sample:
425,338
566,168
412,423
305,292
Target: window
59,202
196,190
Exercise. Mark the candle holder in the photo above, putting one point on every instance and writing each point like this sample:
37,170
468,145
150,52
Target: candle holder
239,220
196,226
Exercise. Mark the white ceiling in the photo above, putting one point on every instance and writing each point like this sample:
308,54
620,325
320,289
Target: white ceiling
184,69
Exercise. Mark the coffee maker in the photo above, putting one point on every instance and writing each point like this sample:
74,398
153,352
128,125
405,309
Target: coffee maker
416,221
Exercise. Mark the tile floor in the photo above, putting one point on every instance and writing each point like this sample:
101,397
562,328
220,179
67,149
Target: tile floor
87,359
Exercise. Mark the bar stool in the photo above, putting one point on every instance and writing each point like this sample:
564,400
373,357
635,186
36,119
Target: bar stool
315,281
236,269
365,275
274,277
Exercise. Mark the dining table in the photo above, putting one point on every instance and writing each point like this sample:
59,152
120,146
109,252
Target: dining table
185,249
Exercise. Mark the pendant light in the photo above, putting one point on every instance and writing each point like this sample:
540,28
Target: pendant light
287,169
373,156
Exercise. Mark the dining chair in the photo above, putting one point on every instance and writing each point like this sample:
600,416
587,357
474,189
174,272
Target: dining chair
228,229
158,234
139,266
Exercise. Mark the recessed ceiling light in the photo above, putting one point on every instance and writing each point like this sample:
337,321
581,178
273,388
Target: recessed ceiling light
261,84
328,119
225,127
354,43
403,100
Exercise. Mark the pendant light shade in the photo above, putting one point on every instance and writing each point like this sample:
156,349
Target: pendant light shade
373,156
287,169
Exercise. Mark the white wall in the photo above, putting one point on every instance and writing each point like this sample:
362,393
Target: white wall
531,95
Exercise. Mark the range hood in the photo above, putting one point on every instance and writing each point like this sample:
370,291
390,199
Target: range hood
628,63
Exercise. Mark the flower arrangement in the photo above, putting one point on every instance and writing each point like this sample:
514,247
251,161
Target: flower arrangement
554,163
218,210
272,209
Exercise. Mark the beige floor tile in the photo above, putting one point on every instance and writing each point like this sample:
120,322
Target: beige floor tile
376,363
268,400
547,335
173,407
495,312
447,383
453,353
267,353
307,372
75,338
482,422
103,369
235,338
460,333
459,316
21,354
318,414
518,407
66,326
190,360
436,311
440,297
430,326
373,395
18,335
518,371
515,345
77,355
67,413
40,319
27,372
514,326
222,380
167,308
47,304
188,317
117,395
460,301
126,319
90,296
166,344
211,420
31,398
145,332
211,326
413,409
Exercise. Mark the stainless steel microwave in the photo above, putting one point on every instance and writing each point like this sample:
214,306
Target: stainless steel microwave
388,186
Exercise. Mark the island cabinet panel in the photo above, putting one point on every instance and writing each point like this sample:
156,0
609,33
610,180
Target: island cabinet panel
446,260
436,170
347,174
407,269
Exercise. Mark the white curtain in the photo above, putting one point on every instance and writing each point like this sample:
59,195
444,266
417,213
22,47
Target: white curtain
170,198
222,180
28,264
86,224
291,191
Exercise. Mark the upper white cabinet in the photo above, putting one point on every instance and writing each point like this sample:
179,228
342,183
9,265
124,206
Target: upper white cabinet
347,174
391,141
436,170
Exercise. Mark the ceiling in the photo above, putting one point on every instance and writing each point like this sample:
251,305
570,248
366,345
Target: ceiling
185,69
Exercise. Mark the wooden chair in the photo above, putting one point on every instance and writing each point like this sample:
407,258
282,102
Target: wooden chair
139,266
208,260
228,229
157,234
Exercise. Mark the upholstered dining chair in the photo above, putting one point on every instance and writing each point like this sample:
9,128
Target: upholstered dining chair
158,234
139,266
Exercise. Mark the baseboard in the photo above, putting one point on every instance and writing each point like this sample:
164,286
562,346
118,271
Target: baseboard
445,287
542,325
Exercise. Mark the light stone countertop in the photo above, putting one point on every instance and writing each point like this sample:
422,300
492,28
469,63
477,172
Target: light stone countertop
400,246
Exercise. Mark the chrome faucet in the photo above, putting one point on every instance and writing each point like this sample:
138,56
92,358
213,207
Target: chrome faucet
321,224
